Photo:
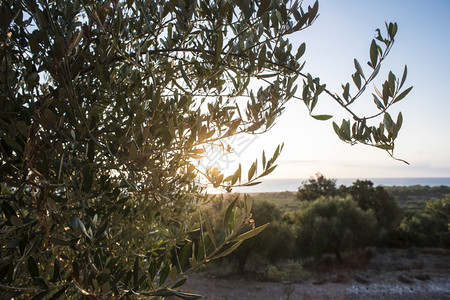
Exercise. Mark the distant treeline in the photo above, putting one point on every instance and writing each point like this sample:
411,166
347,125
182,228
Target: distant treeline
414,197
405,193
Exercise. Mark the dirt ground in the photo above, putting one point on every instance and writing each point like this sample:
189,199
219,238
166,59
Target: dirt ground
390,274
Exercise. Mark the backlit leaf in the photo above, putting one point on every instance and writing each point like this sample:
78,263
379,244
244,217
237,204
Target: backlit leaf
186,296
252,183
164,273
391,80
210,231
301,50
250,234
229,250
322,117
251,171
373,53
262,57
405,73
358,68
402,94
268,171
346,93
219,45
263,7
179,283
399,120
228,212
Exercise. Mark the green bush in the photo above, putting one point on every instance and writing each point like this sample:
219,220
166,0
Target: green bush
313,188
417,194
385,207
333,225
427,228
291,271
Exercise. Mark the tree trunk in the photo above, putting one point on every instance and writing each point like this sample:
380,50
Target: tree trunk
337,252
242,259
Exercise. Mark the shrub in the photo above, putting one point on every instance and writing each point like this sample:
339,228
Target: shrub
291,271
385,207
333,225
313,188
427,228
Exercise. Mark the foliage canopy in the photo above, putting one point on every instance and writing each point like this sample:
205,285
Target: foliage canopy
332,225
377,199
104,105
428,227
314,188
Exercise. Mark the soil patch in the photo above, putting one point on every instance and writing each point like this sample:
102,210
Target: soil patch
390,274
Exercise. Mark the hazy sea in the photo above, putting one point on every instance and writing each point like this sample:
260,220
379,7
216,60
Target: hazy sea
282,185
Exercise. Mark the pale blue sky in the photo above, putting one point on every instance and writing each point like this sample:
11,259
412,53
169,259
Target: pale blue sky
343,32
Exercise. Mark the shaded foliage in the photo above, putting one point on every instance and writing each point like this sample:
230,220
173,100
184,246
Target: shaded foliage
105,107
385,207
367,197
413,197
314,188
427,228
333,225
274,243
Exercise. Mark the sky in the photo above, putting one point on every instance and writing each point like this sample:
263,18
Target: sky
343,32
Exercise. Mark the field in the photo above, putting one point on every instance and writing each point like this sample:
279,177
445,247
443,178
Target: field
285,201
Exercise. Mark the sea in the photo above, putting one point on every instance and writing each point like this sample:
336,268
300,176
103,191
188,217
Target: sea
292,185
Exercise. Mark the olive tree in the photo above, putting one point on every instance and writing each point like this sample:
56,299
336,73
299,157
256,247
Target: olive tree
428,227
106,105
377,199
333,225
314,188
